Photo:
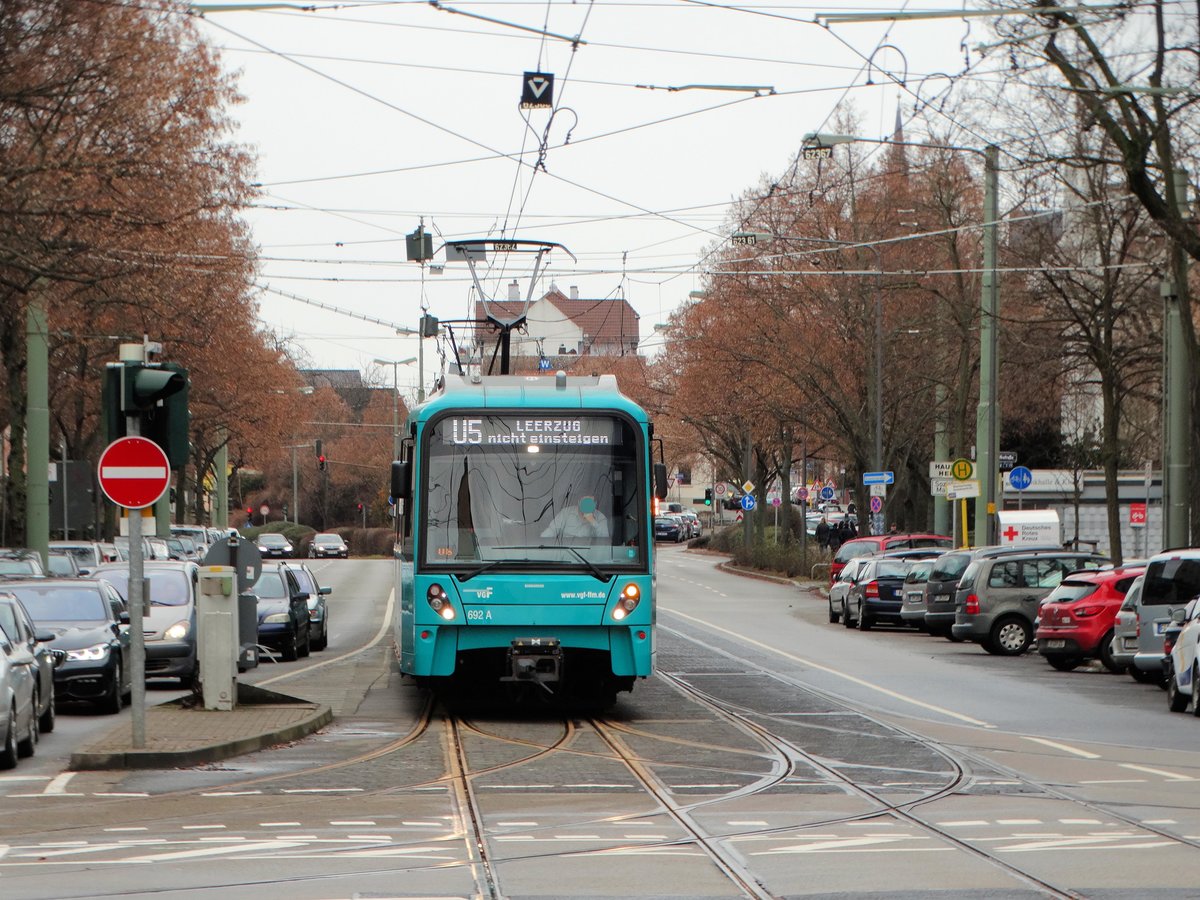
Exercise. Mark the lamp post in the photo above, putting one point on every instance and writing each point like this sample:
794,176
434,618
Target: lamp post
987,433
395,364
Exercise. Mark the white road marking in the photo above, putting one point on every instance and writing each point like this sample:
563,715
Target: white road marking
358,822
368,837
962,823
1172,776
1080,822
47,795
1065,748
5,779
747,823
430,824
1018,821
500,824
128,828
211,851
278,824
120,794
876,842
1159,822
1081,843
320,790
201,827
1115,781
231,794
895,695
384,627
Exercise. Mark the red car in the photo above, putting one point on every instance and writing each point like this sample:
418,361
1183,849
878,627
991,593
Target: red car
1075,621
878,543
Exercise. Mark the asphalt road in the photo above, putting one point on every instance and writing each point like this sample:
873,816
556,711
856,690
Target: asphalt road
775,755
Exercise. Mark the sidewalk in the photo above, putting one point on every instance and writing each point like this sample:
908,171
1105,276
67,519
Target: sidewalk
177,736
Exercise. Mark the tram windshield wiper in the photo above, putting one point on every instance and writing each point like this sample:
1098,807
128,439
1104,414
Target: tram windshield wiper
479,570
594,570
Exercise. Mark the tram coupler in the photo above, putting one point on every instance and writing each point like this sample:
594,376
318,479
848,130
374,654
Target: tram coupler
535,659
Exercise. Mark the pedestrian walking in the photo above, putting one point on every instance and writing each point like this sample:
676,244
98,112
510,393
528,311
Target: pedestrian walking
823,533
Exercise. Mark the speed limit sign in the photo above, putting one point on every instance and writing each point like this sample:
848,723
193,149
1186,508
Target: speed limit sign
719,489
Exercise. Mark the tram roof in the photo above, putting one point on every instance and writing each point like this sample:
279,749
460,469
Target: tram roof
557,391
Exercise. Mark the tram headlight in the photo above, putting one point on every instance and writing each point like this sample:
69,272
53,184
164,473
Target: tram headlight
439,602
631,595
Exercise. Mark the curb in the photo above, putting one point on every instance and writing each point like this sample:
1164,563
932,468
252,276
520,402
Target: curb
248,695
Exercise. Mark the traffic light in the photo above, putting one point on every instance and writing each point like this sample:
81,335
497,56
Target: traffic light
158,394
317,447
708,496
321,462
360,507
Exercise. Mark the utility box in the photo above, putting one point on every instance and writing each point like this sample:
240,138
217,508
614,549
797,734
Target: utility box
218,644
1017,527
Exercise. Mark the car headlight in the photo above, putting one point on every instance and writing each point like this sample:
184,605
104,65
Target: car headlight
178,631
89,654
276,619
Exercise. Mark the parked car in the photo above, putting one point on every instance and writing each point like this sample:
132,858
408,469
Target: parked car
912,609
1125,634
668,528
88,554
90,622
21,562
18,697
158,548
318,608
62,565
197,534
997,599
1181,666
942,586
1075,620
841,588
328,544
275,546
283,621
876,543
15,622
1172,579
169,621
693,520
876,594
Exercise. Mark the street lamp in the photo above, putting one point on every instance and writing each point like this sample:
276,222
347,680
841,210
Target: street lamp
395,364
987,434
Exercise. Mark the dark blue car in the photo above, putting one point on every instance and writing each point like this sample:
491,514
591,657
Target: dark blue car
668,529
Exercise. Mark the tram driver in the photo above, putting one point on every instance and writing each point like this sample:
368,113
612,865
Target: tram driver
583,520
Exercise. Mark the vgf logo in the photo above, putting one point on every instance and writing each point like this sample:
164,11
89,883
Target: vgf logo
483,593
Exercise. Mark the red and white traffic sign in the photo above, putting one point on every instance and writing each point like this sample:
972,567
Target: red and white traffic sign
134,472
1137,515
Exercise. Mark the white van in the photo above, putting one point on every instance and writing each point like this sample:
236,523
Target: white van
1172,579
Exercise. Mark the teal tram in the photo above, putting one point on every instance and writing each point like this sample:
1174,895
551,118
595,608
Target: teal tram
525,545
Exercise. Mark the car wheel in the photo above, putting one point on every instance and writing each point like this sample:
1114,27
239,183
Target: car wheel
323,641
8,753
1177,701
46,720
1106,654
865,621
1064,663
305,647
834,615
1010,636
846,620
1194,706
1143,677
28,746
291,649
110,703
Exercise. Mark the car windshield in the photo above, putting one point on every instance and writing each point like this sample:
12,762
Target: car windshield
949,567
9,566
918,572
168,587
272,540
85,556
328,540
61,603
1069,591
1171,582
270,586
8,619
547,487
891,568
855,549
60,564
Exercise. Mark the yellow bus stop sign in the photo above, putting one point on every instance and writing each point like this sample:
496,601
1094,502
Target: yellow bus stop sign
962,469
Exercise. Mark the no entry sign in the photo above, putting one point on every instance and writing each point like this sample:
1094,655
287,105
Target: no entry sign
134,472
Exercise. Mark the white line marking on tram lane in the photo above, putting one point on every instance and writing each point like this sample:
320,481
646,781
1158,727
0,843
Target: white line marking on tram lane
58,785
895,695
1065,748
384,627
1170,776
214,851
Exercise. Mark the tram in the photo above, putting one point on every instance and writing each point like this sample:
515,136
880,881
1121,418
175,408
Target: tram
525,548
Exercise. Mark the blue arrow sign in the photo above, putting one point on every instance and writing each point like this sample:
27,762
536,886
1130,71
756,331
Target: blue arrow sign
1020,478
827,493
748,502
879,478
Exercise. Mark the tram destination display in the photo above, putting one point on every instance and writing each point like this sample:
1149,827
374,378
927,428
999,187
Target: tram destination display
530,430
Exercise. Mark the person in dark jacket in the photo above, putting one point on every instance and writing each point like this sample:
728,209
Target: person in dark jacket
823,532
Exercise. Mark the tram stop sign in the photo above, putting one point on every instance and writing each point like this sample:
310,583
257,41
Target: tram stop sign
133,472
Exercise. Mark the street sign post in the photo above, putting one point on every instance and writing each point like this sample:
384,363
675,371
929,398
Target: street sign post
962,469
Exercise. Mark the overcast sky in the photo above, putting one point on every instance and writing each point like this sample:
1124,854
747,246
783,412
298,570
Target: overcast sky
368,116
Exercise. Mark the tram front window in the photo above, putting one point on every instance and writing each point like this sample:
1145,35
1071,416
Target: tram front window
537,487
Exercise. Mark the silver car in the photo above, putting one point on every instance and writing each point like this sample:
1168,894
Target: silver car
840,590
18,688
1171,580
1125,633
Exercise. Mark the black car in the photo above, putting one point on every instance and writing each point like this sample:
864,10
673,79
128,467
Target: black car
877,592
283,620
668,529
328,545
274,545
318,609
90,622
19,628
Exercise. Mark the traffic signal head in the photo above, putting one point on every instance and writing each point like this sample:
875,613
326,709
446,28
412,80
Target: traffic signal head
360,507
317,448
708,496
249,511
158,394
321,462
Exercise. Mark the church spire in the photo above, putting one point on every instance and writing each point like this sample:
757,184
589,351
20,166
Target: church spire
897,155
